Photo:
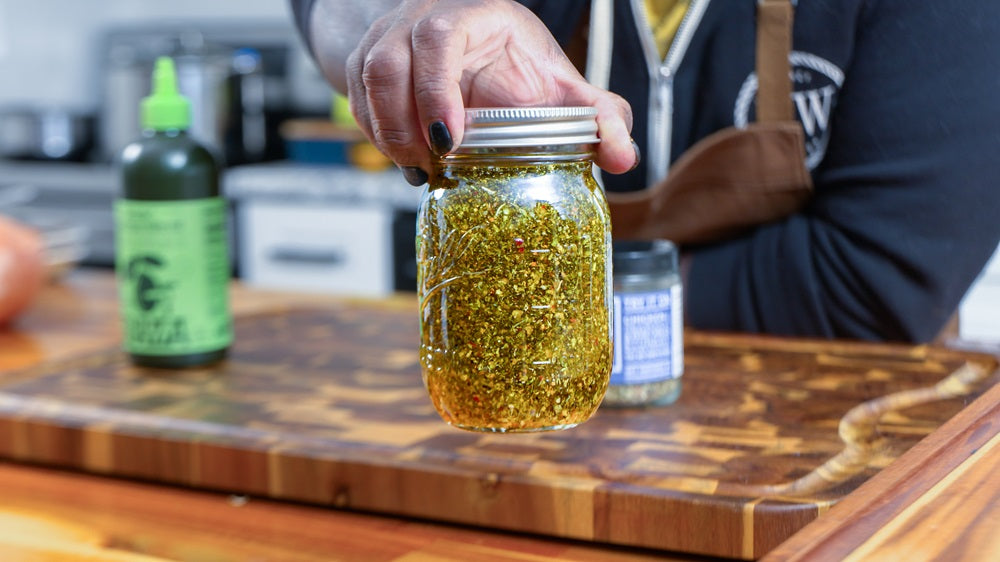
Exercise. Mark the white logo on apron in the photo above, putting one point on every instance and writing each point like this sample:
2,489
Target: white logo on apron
816,82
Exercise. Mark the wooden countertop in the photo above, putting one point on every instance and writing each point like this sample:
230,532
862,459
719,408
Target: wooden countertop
71,516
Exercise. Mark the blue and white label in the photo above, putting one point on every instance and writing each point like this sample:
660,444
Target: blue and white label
649,343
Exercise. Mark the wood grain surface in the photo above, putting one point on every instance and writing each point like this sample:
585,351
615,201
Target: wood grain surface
71,516
937,502
325,405
58,516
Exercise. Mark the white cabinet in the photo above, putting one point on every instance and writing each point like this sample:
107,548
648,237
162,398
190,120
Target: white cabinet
979,313
319,247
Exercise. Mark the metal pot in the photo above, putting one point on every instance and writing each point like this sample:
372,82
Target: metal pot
48,133
202,73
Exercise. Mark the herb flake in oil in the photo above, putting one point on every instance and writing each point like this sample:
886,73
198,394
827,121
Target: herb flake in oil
514,295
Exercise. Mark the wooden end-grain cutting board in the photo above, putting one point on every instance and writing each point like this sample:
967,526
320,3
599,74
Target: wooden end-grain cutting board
327,406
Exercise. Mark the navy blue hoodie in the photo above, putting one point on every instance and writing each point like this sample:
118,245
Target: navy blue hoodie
898,102
898,99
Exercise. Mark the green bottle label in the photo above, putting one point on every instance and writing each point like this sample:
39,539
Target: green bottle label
173,275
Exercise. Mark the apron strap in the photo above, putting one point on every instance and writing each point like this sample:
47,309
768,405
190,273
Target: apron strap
774,45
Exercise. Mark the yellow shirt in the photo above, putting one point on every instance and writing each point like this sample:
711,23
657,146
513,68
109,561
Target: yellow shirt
664,17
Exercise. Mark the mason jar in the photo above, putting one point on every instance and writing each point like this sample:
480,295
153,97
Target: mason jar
648,324
514,273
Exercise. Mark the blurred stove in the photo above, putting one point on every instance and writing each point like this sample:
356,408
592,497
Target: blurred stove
293,226
78,195
64,193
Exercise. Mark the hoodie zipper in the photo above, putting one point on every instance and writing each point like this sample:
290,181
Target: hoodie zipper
661,83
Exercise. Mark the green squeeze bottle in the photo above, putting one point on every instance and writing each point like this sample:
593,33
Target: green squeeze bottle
171,246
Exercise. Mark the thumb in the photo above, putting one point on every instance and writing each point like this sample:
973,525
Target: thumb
616,153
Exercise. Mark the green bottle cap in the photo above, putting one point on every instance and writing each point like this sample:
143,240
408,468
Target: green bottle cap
165,108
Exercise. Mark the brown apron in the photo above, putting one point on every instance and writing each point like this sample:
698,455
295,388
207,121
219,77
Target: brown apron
735,178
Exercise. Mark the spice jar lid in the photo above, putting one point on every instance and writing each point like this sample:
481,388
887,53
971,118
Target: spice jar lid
638,257
529,126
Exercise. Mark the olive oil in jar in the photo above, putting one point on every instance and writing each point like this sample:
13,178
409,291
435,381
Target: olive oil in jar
514,273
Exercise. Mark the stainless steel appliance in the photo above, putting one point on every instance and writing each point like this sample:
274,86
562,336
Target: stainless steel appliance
45,133
244,78
75,194
238,76
78,195
323,228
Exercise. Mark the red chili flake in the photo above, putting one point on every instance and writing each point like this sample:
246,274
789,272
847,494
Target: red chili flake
476,398
519,245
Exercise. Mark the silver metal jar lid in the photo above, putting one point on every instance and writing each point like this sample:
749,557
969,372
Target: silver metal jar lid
529,126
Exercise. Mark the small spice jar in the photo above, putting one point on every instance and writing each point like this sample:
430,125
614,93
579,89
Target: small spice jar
648,324
514,273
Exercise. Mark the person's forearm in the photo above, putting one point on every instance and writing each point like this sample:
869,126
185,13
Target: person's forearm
334,28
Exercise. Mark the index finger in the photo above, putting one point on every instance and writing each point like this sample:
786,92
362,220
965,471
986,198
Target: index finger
438,46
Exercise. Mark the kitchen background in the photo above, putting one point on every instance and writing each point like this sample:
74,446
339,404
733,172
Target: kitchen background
314,208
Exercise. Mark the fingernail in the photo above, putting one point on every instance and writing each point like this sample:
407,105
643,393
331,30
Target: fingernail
441,142
414,175
638,156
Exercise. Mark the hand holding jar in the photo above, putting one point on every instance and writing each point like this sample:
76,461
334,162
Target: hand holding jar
421,63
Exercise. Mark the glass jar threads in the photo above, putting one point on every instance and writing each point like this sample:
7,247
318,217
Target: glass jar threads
648,324
514,273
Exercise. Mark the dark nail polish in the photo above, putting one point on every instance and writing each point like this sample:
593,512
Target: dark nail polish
441,142
414,175
638,156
